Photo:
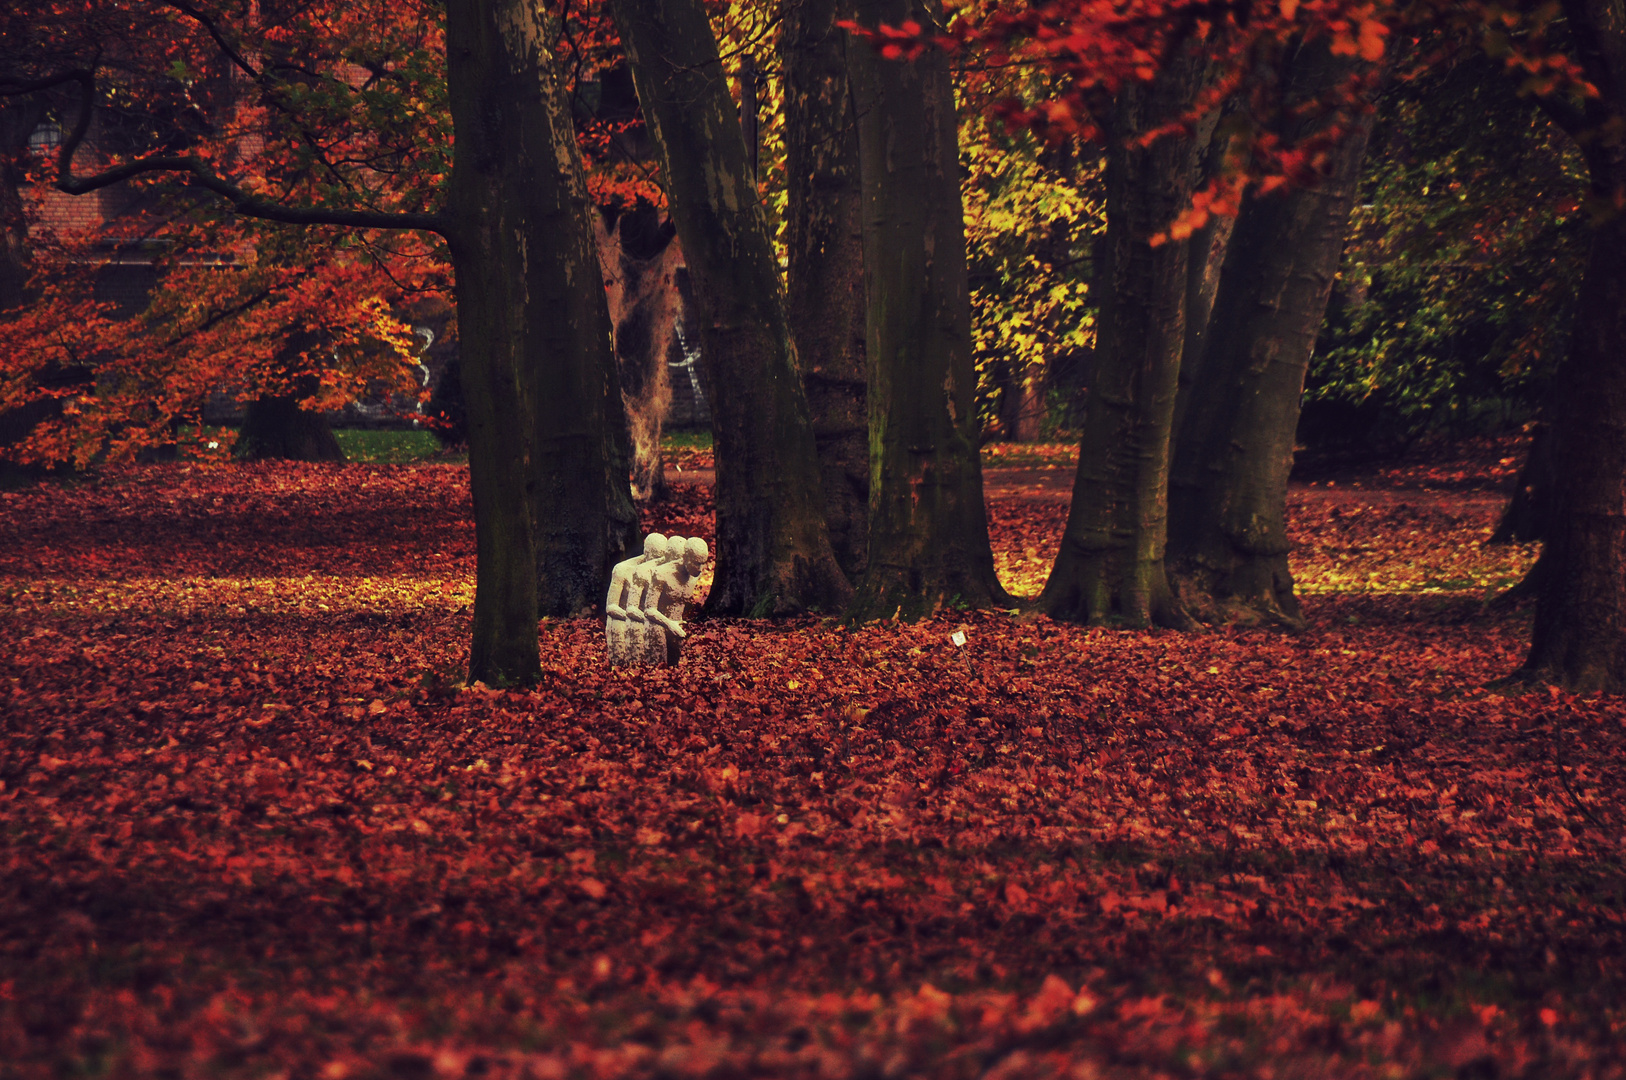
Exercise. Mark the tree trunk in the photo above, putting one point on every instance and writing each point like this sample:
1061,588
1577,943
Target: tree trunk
639,260
1579,639
1111,561
538,375
1227,554
276,428
18,119
1530,507
825,278
773,549
928,525
1205,256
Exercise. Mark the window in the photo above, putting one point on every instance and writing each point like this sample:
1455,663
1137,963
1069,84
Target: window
46,138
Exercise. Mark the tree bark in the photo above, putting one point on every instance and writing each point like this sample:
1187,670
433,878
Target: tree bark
773,548
1579,637
18,119
928,525
639,261
825,277
276,428
1227,554
1111,561
538,375
1205,256
1524,521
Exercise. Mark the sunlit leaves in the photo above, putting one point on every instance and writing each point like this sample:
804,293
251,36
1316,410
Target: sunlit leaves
1029,225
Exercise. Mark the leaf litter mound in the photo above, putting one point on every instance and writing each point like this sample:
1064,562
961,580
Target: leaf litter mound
253,826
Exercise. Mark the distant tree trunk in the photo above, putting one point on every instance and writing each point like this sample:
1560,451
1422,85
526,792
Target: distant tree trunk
639,260
928,525
1111,561
18,119
825,278
1227,554
538,374
276,428
1529,509
1524,521
773,549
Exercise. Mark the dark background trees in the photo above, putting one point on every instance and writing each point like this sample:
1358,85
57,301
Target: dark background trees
1198,116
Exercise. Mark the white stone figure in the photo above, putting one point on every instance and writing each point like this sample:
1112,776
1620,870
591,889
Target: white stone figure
643,643
623,608
671,590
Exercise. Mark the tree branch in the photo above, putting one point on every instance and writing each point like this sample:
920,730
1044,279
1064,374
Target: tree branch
243,202
219,37
10,88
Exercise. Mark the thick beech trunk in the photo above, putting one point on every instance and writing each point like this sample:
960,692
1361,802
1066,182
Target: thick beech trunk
773,549
825,278
1227,553
1111,561
928,526
538,375
1579,640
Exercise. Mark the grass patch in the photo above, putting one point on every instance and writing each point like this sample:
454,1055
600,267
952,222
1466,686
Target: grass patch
686,440
389,447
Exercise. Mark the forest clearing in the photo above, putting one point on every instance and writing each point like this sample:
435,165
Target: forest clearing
252,824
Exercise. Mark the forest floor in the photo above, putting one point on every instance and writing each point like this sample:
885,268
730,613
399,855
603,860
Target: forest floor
251,825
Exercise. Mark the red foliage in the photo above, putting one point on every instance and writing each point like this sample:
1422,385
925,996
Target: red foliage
250,826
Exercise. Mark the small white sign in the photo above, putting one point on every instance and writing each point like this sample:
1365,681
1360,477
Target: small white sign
958,637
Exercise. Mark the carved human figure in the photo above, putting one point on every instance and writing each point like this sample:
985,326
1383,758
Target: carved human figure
671,590
640,649
623,604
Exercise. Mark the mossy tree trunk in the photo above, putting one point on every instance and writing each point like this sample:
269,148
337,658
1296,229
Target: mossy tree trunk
538,375
1110,566
1227,551
773,548
928,526
825,277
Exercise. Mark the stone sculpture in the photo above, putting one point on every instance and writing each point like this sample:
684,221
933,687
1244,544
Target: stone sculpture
671,589
643,610
638,649
623,604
